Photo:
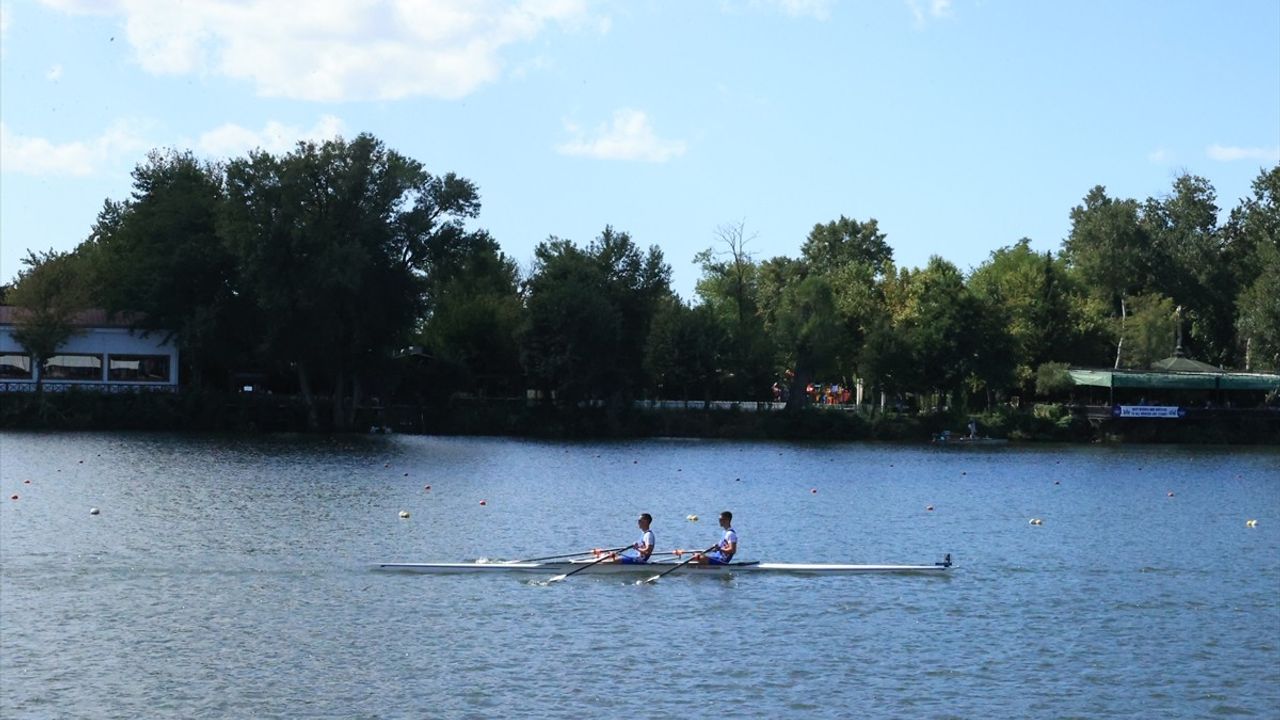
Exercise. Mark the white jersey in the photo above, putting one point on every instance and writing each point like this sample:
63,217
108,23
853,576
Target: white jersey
730,538
647,539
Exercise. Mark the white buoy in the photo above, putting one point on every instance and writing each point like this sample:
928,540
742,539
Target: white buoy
1251,523
691,518
404,514
1035,521
93,511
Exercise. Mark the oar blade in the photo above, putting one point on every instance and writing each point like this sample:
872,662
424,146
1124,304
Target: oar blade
557,578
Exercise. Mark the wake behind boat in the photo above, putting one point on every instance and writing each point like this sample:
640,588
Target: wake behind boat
591,567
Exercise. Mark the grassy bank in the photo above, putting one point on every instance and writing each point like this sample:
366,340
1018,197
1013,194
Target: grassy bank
192,411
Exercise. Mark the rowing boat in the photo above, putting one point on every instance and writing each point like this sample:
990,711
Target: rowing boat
744,567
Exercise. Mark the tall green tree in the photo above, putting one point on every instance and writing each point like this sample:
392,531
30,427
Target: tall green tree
1030,291
50,290
845,241
474,315
729,290
1151,330
1194,265
1109,249
959,343
159,256
335,241
589,314
1254,231
684,352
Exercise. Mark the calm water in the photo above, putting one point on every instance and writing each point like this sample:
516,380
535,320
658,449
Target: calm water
230,577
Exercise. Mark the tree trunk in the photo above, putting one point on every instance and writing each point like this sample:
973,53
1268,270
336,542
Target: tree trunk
356,392
304,383
1124,313
339,391
799,398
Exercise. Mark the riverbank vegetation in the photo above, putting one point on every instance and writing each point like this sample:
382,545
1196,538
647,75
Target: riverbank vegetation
350,277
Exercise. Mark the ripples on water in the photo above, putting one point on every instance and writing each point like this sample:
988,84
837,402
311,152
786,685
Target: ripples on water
230,577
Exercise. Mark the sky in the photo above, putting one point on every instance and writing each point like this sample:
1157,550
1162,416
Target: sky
960,126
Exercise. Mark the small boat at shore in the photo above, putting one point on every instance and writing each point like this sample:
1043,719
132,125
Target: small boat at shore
589,567
963,441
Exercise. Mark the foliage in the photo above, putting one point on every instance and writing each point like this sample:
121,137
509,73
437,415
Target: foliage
50,291
1052,378
588,318
1150,331
159,256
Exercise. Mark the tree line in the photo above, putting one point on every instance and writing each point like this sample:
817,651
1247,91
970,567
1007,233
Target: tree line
344,269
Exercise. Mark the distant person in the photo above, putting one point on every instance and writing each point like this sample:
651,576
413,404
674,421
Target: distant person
973,429
723,554
643,548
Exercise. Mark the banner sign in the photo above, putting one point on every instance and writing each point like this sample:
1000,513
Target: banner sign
1148,411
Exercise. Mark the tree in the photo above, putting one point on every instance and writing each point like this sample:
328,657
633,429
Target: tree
159,256
1030,291
809,333
845,241
1260,311
475,312
957,341
335,241
1194,265
729,289
1149,334
50,291
1253,231
683,354
1108,247
589,313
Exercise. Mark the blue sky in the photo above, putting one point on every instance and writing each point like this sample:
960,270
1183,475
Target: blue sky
960,125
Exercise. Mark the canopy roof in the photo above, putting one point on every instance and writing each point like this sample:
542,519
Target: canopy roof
1215,380
1178,363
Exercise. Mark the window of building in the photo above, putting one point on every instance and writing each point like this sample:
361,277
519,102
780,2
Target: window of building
72,367
15,366
138,368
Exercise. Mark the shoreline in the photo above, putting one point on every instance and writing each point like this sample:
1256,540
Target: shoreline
219,412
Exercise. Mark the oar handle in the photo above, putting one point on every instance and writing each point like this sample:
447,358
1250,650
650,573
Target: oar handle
604,555
569,555
682,564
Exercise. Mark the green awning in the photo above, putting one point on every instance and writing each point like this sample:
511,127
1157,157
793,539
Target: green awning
1175,380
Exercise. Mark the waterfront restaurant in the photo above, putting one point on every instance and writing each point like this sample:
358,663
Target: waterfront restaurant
103,354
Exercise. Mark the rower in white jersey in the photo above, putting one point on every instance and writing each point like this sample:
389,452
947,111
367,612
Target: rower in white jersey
723,554
643,548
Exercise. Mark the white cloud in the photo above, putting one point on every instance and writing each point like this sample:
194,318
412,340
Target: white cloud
4,20
1160,156
232,140
816,9
629,137
30,155
1227,153
338,49
923,10
54,74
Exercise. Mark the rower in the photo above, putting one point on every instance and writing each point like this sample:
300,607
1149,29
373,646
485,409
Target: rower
643,548
723,554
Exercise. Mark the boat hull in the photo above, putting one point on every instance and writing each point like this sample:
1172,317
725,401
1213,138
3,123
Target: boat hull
554,568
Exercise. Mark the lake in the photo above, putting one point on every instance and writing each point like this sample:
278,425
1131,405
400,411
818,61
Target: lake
231,577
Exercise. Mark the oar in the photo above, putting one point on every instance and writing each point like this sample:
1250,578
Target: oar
604,555
557,557
686,562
